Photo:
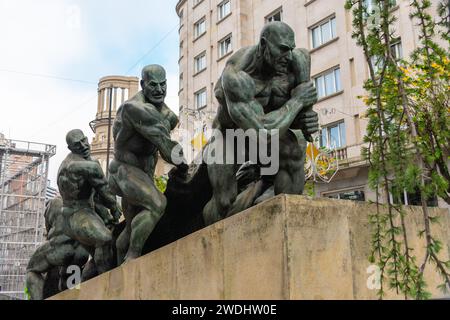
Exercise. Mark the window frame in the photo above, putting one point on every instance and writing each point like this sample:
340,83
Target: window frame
196,3
181,81
274,13
338,193
198,35
342,143
397,43
318,26
337,84
221,5
196,59
197,94
219,46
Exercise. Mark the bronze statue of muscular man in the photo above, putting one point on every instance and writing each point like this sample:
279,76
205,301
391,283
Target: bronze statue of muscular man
141,130
265,87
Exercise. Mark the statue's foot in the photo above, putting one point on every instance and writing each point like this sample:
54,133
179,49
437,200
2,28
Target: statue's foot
130,257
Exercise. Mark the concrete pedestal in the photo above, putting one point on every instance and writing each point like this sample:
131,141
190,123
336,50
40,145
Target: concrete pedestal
289,247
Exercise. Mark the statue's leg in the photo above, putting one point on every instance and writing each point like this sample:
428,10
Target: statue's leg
37,266
63,276
141,228
81,256
145,207
89,271
89,229
291,177
81,259
122,244
43,259
224,185
123,241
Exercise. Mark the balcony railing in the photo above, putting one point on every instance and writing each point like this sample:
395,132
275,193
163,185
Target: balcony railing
340,154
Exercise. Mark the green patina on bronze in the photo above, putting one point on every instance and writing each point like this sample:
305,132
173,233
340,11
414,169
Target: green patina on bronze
265,87
48,262
80,181
142,129
77,224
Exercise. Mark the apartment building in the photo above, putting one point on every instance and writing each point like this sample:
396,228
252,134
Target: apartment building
211,30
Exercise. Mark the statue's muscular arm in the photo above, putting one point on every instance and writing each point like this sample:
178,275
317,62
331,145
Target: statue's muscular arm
240,90
149,123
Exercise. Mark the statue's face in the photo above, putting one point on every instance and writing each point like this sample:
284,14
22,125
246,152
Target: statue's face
154,86
78,143
278,50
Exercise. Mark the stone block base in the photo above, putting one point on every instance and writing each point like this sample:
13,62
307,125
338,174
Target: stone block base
289,247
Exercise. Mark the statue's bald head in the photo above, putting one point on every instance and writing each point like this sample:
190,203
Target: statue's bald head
153,71
277,41
78,143
154,84
277,30
74,136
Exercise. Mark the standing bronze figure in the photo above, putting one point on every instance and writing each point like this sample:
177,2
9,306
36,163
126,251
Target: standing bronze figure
265,87
57,253
141,130
80,178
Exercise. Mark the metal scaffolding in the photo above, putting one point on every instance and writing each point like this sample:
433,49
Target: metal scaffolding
23,186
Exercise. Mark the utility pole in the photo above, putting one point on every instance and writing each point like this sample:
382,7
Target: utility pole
108,148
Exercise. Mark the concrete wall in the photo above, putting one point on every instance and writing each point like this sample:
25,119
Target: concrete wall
288,247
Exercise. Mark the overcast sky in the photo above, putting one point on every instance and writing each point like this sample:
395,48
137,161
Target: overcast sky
81,40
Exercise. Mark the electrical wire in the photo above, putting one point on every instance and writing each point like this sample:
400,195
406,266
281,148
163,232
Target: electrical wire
81,105
48,76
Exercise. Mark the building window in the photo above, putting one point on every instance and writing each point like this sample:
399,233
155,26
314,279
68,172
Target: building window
200,62
277,15
397,53
181,48
354,195
324,32
328,83
225,46
181,81
377,63
397,49
224,9
199,28
333,136
181,17
371,6
411,198
200,99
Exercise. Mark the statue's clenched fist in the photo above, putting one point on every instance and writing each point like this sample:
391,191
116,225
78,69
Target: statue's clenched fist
309,122
305,93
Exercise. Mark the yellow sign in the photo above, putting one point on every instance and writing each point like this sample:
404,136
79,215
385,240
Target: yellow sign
199,141
311,151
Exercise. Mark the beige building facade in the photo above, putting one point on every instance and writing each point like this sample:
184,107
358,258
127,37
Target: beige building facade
211,30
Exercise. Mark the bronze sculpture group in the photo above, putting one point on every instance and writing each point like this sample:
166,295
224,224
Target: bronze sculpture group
264,87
